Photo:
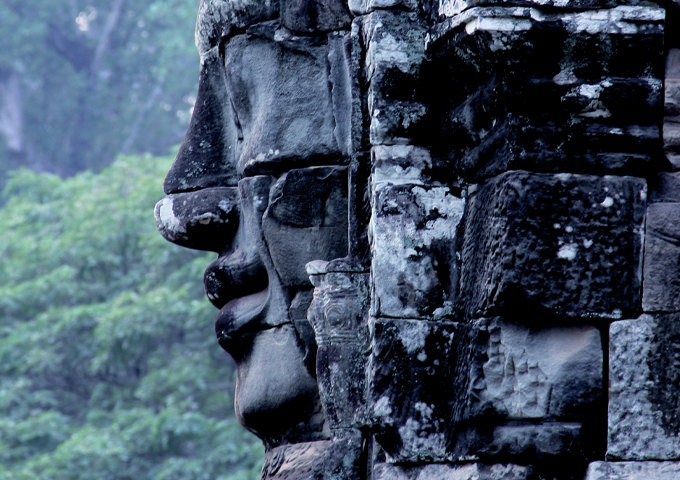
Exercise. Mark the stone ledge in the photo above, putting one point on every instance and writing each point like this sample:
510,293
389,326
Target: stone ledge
633,471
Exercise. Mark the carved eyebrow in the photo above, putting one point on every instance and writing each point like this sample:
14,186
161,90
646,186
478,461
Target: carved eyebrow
279,166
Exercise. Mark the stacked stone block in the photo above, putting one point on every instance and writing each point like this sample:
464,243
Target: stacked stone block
644,366
671,124
511,225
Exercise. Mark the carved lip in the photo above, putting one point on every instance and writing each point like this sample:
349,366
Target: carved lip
242,316
233,276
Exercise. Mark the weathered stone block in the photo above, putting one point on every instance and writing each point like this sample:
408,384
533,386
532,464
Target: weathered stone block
671,135
661,284
548,442
633,471
443,471
394,43
416,386
339,315
534,394
311,16
345,460
672,94
449,8
414,234
664,187
495,391
673,63
565,244
362,7
336,459
671,124
300,461
644,389
507,92
530,373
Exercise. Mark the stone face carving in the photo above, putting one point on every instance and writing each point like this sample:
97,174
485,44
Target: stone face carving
436,225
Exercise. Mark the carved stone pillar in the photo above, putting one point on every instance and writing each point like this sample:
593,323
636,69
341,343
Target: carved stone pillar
338,314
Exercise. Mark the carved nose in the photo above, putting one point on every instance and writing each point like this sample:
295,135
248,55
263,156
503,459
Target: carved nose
204,220
207,155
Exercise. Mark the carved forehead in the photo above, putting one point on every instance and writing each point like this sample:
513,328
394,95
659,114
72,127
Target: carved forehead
218,18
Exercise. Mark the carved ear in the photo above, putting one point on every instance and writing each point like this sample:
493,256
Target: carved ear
343,88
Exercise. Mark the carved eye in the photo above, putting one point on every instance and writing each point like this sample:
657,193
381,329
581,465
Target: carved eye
310,198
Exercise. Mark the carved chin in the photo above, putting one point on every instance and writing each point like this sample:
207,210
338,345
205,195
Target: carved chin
274,390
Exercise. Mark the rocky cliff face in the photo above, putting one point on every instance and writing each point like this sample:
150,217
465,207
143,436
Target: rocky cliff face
485,199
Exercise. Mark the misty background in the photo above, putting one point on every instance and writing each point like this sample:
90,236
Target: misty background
109,368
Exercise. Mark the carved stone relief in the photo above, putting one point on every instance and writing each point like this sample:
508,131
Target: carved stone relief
437,223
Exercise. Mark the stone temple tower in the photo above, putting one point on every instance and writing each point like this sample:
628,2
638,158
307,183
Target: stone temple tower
448,233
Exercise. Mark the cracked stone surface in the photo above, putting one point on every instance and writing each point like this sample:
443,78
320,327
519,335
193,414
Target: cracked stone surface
414,234
644,367
567,245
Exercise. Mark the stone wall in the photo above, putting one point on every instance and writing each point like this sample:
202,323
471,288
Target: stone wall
524,262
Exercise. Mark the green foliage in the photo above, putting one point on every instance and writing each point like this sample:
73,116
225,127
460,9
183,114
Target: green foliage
109,368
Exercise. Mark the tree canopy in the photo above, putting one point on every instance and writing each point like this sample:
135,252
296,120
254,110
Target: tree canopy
84,80
109,368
